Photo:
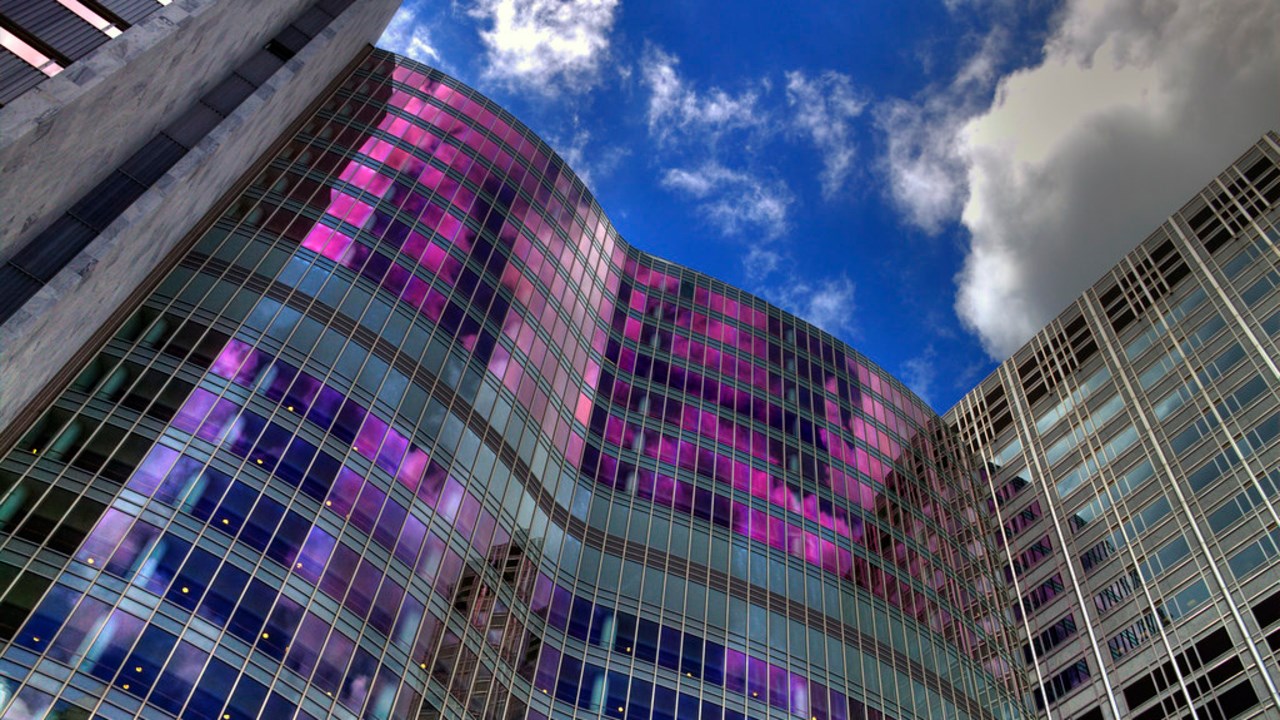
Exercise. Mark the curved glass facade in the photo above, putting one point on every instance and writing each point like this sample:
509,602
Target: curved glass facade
409,431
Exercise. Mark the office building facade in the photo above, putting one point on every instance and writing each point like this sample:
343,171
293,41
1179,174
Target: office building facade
406,430
1131,453
335,394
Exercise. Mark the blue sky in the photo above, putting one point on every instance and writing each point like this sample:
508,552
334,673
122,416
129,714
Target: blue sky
930,180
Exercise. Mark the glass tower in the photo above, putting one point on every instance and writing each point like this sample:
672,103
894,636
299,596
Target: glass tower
406,430
1131,453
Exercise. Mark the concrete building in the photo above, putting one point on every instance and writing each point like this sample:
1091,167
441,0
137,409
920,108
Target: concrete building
1132,455
327,390
110,162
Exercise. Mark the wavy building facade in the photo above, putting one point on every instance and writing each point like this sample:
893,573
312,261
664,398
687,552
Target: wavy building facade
1133,464
327,390
406,430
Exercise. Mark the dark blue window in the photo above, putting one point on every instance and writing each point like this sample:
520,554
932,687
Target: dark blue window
211,694
261,525
247,701
178,678
292,533
191,581
143,666
567,681
223,594
251,613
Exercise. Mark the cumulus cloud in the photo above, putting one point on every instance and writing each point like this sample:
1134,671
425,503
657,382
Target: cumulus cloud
546,45
825,107
827,303
735,202
407,35
676,107
1134,106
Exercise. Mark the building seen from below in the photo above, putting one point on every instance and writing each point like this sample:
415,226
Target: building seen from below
1132,458
406,430
109,163
335,394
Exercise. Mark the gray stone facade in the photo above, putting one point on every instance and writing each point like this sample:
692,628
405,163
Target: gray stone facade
44,134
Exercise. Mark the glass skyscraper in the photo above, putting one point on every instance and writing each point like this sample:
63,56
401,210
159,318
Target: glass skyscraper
407,430
400,427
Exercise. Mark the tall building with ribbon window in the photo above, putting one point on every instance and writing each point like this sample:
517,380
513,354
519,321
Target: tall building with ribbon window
329,391
402,428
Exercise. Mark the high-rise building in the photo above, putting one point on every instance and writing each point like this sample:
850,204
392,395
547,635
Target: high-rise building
332,393
109,163
1132,458
405,429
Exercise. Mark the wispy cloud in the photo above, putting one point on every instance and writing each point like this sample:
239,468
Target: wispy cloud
547,46
827,303
407,35
825,107
675,107
591,163
735,202
920,373
923,160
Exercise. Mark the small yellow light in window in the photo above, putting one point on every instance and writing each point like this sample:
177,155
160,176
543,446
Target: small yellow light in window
35,451
226,716
186,590
688,674
329,693
299,564
259,461
628,649
544,691
290,408
137,668
422,665
619,708
35,638
90,561
266,636
226,521
755,694
126,686
328,503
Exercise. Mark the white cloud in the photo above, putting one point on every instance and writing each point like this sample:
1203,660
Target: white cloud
920,373
825,107
407,35
922,157
736,202
591,166
760,262
1134,107
674,106
546,45
828,303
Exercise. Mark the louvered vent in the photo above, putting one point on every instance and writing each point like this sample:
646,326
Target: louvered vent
1057,357
982,419
998,411
1265,177
1152,276
1244,198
